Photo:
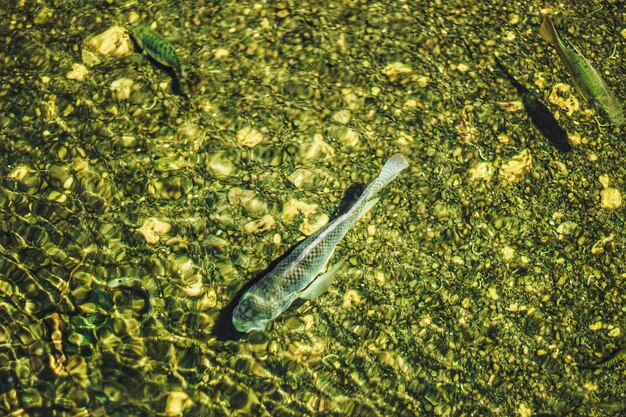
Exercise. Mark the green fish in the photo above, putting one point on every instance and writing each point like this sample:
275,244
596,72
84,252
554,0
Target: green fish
298,275
157,48
586,78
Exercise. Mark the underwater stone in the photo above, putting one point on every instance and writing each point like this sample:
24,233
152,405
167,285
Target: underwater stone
194,286
344,135
152,230
397,71
301,178
611,198
221,166
112,42
175,404
518,166
125,141
77,368
350,298
77,73
566,228
121,88
314,217
481,171
246,198
89,58
30,178
262,225
313,222
615,332
315,149
216,242
342,117
561,95
249,137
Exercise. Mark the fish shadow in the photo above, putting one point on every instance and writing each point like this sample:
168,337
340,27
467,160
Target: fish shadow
539,114
224,328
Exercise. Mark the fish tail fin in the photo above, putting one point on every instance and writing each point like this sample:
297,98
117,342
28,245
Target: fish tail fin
394,165
548,32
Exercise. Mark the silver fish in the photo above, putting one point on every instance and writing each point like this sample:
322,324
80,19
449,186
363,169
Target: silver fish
298,275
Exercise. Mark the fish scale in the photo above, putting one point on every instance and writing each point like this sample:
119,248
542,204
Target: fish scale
297,274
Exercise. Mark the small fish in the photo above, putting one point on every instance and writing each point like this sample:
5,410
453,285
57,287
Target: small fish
540,115
609,362
298,275
158,48
586,78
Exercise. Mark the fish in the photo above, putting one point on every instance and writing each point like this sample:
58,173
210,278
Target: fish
540,115
157,48
612,360
586,78
298,275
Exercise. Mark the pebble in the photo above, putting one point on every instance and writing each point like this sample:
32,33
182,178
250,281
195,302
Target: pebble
346,136
615,332
610,197
262,225
249,137
220,166
152,230
248,200
221,53
175,403
313,222
561,95
566,228
342,117
314,217
194,286
301,178
77,73
482,171
315,149
112,42
395,70
121,88
517,167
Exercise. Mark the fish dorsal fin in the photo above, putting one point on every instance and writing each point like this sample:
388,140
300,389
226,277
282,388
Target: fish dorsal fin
321,283
548,32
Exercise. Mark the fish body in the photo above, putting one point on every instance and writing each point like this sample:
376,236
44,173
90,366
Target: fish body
586,78
157,48
298,275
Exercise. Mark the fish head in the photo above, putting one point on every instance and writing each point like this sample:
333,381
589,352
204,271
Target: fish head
610,108
251,314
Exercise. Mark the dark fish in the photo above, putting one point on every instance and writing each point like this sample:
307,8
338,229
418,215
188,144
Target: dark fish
586,78
540,115
157,48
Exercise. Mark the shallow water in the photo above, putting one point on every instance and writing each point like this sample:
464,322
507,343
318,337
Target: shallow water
486,281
